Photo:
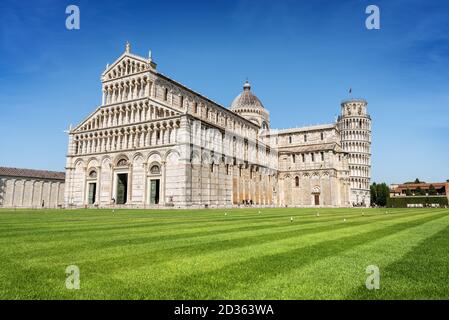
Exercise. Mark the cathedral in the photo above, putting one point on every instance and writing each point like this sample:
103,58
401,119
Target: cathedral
155,143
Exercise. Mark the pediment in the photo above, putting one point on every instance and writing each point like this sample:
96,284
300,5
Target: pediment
127,64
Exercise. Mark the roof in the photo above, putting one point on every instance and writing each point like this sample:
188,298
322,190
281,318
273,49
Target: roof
311,148
302,129
246,99
422,185
30,173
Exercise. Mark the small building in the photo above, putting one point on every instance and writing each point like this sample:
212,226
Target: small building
419,194
419,189
27,188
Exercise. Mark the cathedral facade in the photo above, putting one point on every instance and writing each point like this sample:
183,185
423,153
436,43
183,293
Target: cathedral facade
153,142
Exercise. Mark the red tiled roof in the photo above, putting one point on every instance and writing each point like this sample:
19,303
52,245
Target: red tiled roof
30,173
422,185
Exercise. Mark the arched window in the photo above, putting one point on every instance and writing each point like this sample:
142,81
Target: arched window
93,174
155,169
122,163
297,181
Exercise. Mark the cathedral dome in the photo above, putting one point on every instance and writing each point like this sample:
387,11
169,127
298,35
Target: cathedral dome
247,105
246,99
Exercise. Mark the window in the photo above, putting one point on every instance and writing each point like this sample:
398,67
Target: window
293,158
195,107
290,139
322,156
322,136
313,157
303,157
181,103
155,169
297,181
93,174
165,94
305,138
122,163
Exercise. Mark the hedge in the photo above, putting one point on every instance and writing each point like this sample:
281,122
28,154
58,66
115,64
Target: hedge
401,202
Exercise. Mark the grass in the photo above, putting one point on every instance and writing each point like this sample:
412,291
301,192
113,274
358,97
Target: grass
191,254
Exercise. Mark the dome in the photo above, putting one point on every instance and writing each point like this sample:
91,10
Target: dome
246,99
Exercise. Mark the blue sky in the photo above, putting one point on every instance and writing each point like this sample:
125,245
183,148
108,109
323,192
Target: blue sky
301,58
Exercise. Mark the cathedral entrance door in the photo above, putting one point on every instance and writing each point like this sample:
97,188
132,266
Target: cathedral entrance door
122,188
92,193
317,199
154,191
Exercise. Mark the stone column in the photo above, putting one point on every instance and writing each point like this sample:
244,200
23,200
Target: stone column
162,191
145,183
130,184
13,191
23,192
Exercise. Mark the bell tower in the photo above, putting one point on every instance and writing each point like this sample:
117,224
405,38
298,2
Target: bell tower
354,124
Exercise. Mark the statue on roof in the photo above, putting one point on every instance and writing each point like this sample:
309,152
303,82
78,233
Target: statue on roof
127,47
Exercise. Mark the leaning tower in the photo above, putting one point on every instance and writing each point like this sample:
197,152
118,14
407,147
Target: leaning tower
355,129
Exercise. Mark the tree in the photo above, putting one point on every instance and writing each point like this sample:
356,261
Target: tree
408,192
381,194
373,193
420,192
417,180
432,190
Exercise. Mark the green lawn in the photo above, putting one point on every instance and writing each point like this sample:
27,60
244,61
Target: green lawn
203,254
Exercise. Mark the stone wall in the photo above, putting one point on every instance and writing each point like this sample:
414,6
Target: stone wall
20,192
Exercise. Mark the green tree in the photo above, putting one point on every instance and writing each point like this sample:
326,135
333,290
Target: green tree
432,190
381,193
408,192
417,180
373,193
420,192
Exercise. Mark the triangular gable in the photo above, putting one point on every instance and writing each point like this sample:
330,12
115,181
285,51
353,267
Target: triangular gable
128,56
82,123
